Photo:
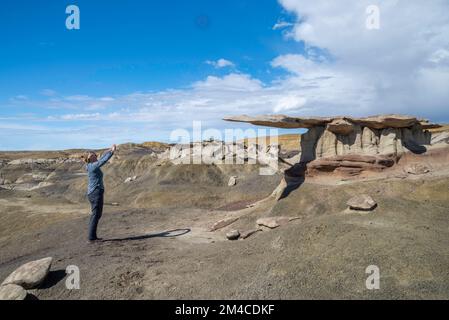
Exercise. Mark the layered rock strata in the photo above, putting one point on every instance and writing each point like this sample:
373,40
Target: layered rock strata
352,144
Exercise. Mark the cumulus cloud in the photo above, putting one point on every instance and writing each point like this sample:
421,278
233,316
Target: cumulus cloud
220,63
289,102
400,67
230,82
345,68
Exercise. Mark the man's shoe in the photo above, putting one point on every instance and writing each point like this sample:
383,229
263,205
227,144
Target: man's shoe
96,240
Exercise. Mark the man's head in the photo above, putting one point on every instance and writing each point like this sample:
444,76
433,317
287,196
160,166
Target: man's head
89,157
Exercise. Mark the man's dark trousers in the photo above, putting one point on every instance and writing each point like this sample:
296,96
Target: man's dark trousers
96,202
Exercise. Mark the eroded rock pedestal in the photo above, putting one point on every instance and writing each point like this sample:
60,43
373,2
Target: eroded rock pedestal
351,145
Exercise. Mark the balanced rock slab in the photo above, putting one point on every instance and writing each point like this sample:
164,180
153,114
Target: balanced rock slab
362,202
12,292
31,274
387,135
283,121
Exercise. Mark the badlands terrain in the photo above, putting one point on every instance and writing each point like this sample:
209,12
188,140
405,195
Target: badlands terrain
166,223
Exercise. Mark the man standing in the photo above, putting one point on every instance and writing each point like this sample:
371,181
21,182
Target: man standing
95,188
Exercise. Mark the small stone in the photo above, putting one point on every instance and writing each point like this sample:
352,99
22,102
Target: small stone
272,222
232,181
31,274
233,235
12,292
417,168
248,233
223,223
361,202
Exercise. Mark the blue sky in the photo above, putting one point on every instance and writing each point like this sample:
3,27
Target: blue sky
137,70
133,45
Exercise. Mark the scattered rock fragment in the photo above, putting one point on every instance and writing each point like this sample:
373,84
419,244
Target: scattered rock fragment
233,235
248,233
417,168
223,223
232,181
12,292
130,179
114,204
362,202
272,222
31,274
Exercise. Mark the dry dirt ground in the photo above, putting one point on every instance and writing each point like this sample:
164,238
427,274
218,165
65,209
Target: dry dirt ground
157,243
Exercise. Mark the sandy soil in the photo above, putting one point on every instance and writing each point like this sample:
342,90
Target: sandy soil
157,242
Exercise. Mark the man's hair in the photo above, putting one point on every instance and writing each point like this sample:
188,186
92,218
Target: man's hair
86,156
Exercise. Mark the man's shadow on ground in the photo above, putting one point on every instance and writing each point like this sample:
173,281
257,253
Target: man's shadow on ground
165,234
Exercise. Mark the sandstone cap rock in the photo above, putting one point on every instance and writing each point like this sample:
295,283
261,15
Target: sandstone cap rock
375,122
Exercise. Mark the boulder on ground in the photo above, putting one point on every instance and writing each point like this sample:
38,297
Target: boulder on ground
31,274
12,292
233,235
361,202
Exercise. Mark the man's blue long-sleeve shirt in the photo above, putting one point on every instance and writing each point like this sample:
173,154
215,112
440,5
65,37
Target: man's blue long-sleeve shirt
94,173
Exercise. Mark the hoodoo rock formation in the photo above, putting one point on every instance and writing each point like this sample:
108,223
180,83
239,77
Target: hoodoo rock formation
350,144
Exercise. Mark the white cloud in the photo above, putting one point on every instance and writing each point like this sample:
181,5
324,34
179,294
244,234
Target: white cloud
230,82
77,98
344,69
289,102
402,67
281,25
81,116
441,56
220,63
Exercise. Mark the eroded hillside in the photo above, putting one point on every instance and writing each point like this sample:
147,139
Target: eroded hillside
159,215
